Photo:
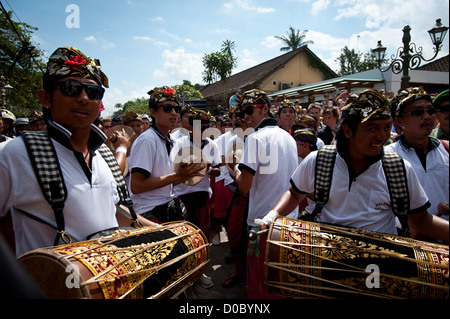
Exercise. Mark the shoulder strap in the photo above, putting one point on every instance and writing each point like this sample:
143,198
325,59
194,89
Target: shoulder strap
44,160
326,157
395,172
122,189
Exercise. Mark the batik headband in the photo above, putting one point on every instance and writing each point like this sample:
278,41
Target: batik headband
399,103
369,104
162,94
66,61
197,114
254,96
285,104
130,116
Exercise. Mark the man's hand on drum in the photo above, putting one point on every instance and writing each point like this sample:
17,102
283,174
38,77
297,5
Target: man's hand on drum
265,222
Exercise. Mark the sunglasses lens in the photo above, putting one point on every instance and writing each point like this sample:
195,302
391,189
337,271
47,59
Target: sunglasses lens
94,92
70,88
420,112
168,108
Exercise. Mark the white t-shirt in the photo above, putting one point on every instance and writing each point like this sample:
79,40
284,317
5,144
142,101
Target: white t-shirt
365,202
270,154
149,156
89,207
210,153
435,179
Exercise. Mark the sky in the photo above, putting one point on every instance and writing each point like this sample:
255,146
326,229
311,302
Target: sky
146,43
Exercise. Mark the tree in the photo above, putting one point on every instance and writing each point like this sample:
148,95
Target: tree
219,65
293,40
351,62
21,64
185,91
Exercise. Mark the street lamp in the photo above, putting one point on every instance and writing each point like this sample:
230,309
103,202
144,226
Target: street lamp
408,56
5,90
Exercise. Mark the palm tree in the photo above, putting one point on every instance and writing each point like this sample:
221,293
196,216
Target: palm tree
294,39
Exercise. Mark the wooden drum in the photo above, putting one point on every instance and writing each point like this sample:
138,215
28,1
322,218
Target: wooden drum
150,262
310,260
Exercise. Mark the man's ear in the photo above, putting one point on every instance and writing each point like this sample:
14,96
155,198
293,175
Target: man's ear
45,98
348,132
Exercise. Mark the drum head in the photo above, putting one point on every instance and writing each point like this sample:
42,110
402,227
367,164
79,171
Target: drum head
188,155
55,276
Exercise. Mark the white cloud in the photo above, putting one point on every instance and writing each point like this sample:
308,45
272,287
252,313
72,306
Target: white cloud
158,19
180,65
271,42
91,39
155,42
245,5
319,5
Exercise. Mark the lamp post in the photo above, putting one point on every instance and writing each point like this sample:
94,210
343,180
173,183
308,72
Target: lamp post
409,56
5,90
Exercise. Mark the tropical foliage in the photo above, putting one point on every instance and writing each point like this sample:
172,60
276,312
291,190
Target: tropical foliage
294,39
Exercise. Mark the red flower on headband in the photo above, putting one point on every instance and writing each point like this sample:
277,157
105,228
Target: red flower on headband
76,60
169,91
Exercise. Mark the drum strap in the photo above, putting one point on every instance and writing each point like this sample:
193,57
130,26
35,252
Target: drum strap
44,160
394,170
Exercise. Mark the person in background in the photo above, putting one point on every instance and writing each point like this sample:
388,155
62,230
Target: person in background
441,102
415,114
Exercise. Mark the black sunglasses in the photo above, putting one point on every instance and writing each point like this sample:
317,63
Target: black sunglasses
167,108
420,112
249,109
73,88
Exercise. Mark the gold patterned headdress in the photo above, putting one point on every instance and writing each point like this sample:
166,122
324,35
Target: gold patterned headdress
66,61
369,104
399,103
162,94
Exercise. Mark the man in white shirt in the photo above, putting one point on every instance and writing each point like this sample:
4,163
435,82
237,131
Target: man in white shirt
359,195
152,175
71,101
415,115
268,160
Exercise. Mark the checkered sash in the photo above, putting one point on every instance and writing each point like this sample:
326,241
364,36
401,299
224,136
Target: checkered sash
42,154
326,157
395,172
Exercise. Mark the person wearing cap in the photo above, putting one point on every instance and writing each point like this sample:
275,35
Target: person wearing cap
9,119
441,102
286,115
133,120
268,160
152,176
306,140
415,115
145,122
22,124
359,194
3,138
73,87
37,122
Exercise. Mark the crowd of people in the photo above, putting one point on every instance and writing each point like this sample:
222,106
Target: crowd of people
258,161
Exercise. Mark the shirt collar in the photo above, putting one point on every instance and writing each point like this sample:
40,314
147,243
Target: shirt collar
167,140
62,135
267,121
432,143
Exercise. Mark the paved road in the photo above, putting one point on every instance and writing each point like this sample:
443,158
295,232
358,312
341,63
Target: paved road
217,269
